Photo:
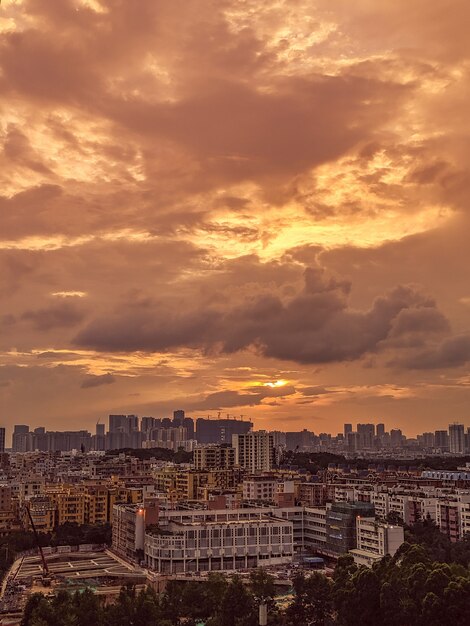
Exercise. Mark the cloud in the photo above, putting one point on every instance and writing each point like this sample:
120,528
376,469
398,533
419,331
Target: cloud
314,326
250,397
63,315
98,381
452,352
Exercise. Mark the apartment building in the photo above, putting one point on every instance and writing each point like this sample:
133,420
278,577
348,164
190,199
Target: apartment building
260,488
374,540
213,456
453,516
254,451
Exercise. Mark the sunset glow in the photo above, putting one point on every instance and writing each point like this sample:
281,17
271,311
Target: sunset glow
255,208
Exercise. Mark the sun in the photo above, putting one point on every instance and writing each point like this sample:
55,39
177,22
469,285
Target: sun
277,383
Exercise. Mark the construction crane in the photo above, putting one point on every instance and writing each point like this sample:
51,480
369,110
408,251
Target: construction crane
46,577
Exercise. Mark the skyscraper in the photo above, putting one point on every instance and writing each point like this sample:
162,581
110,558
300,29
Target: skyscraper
347,429
2,439
456,438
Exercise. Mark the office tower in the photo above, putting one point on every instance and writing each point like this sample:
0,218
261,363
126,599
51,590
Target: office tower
178,418
380,430
366,434
20,438
347,429
441,440
456,438
2,440
100,430
396,438
220,430
254,451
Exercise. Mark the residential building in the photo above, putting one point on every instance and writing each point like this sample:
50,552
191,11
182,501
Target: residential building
456,438
254,451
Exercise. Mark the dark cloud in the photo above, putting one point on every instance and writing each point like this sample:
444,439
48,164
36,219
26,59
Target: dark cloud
315,326
98,381
314,391
452,352
252,397
61,315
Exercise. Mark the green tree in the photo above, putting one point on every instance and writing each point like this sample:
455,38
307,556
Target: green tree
237,607
313,600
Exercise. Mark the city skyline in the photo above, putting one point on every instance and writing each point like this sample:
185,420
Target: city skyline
253,208
181,430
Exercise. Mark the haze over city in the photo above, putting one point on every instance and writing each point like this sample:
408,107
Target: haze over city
250,208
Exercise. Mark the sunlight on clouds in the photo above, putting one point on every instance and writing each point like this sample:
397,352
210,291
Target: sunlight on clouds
277,383
61,241
69,294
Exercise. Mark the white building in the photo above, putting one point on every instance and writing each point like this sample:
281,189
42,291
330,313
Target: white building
254,451
178,547
259,488
375,539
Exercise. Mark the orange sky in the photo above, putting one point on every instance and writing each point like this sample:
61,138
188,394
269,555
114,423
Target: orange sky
201,198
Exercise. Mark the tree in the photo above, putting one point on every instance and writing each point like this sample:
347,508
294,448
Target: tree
237,607
313,600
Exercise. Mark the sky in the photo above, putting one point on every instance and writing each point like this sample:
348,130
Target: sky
256,208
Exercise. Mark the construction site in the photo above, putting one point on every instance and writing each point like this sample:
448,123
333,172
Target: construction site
67,568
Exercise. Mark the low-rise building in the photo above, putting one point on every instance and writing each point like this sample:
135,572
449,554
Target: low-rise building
178,547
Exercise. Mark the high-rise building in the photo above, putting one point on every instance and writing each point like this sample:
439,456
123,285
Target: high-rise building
428,440
178,418
441,440
347,429
20,438
456,438
366,434
380,431
396,438
220,430
147,423
254,451
2,440
132,423
117,423
188,423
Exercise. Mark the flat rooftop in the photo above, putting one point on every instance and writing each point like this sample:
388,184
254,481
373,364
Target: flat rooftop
86,565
